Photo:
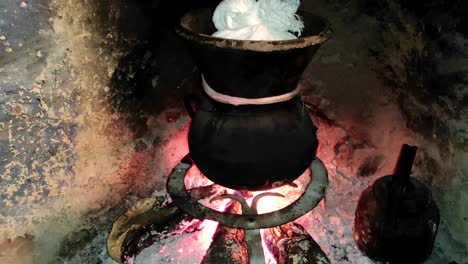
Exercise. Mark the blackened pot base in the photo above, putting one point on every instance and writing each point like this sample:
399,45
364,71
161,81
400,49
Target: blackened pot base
252,147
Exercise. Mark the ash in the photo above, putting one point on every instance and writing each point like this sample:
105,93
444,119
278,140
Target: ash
186,248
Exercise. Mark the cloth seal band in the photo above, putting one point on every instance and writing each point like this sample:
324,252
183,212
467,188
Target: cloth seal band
233,100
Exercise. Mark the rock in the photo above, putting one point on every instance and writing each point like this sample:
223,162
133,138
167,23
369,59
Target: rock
140,145
76,241
370,166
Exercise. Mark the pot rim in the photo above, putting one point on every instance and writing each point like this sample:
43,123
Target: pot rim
184,31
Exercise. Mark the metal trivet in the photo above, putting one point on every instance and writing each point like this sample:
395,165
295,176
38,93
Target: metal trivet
249,220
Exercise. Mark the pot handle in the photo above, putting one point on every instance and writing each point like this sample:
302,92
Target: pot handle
191,102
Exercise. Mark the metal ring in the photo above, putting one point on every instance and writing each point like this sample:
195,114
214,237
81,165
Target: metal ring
313,194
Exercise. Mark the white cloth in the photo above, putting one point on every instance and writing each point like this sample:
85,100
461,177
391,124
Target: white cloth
258,20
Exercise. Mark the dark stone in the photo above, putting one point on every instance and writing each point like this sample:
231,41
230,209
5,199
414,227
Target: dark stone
157,141
175,115
373,7
370,166
140,145
76,241
422,7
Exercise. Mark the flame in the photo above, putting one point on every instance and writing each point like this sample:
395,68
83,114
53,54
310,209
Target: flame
192,248
269,257
206,234
196,179
266,204
290,192
273,203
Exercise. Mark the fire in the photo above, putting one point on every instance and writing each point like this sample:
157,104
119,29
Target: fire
196,179
266,204
290,193
269,258
206,234
191,248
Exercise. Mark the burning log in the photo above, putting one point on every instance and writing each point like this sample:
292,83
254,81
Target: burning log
291,244
228,244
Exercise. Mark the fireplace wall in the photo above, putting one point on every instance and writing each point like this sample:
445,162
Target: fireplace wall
92,118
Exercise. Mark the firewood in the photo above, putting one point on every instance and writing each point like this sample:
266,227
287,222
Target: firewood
228,244
291,244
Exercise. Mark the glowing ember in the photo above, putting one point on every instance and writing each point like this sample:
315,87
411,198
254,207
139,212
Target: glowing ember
269,258
196,179
266,204
290,192
191,248
187,248
206,235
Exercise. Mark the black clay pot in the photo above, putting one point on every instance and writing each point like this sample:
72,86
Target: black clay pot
408,237
251,147
396,218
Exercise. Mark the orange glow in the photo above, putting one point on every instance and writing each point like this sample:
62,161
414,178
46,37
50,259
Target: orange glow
196,179
269,257
291,193
265,205
206,234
